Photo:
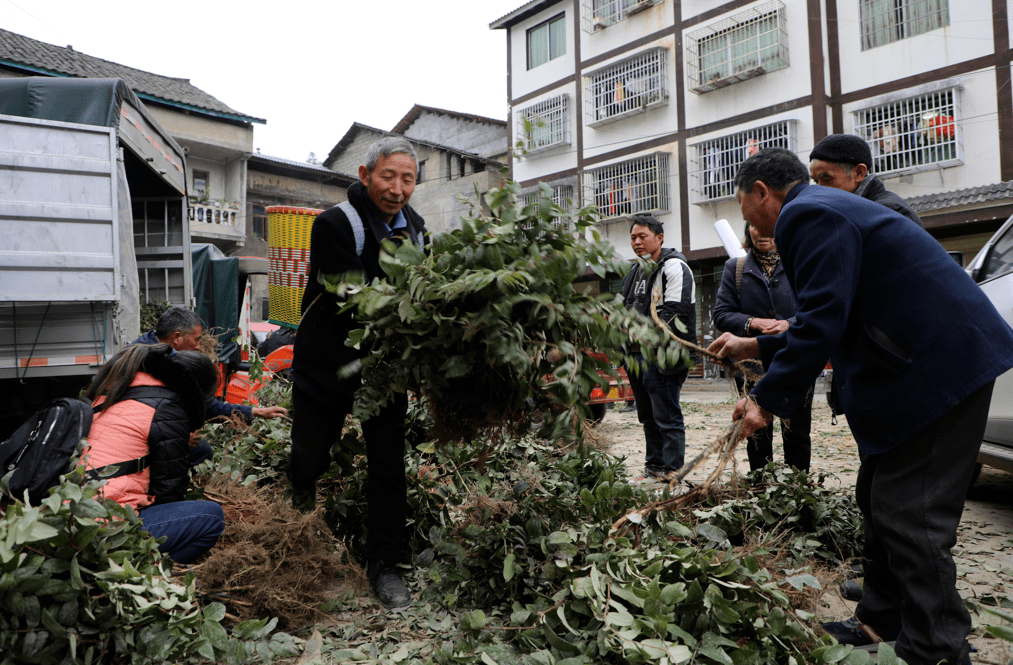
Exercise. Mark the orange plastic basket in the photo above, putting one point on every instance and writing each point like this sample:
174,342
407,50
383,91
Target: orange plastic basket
288,255
280,359
241,389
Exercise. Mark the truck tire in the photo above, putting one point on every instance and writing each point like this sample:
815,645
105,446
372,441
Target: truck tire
597,412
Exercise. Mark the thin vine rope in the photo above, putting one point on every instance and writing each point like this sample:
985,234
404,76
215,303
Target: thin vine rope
723,446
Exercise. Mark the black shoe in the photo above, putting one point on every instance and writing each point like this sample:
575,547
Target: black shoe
305,499
386,584
852,589
860,635
627,407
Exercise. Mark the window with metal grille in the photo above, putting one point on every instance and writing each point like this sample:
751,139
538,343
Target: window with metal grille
598,14
545,125
626,88
738,48
714,163
886,21
913,134
637,185
562,196
546,41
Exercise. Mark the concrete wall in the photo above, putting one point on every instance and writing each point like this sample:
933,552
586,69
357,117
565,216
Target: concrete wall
481,138
354,155
286,190
435,198
617,232
765,90
968,36
186,127
550,160
526,80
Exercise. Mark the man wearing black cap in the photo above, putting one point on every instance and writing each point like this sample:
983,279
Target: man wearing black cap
844,161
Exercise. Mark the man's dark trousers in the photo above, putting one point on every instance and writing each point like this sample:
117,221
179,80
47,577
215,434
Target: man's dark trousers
911,498
796,434
316,427
659,411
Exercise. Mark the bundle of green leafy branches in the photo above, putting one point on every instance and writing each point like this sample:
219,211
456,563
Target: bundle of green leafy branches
81,582
488,325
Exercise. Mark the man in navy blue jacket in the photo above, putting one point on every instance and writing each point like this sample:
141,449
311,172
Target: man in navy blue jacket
917,347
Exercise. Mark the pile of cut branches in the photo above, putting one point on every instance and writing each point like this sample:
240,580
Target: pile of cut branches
488,325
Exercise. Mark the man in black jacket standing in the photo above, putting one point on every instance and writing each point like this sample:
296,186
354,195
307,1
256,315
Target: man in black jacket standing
345,249
844,161
657,390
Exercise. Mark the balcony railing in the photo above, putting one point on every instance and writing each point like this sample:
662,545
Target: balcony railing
736,49
209,213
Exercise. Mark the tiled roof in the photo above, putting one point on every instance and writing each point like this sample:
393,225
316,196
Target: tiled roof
39,58
961,197
302,166
358,127
521,13
402,126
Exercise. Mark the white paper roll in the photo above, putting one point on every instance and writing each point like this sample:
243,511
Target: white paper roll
732,243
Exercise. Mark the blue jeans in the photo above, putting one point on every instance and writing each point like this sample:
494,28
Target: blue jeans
658,409
191,528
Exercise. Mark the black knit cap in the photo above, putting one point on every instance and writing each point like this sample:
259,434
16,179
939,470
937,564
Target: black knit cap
844,148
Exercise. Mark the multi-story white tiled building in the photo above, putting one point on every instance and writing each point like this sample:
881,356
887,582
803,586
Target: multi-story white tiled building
651,105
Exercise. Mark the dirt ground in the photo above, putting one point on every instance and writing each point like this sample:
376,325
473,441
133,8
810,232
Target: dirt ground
984,551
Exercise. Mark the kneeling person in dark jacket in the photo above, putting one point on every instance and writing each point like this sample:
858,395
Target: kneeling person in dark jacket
147,401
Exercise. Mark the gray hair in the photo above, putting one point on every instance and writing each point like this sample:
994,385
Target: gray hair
848,168
386,147
176,319
776,167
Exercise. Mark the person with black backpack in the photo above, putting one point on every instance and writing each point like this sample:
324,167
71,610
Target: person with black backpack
755,299
147,400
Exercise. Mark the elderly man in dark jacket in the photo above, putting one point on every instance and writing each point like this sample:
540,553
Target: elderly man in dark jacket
917,347
345,249
844,161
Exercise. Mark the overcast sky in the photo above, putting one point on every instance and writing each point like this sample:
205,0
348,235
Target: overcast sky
310,68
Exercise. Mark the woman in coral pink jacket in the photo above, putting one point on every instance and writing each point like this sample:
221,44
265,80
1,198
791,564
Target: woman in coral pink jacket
147,400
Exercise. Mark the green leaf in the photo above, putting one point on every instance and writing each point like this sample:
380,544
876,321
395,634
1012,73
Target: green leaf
887,656
215,634
1002,632
454,367
508,567
35,532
